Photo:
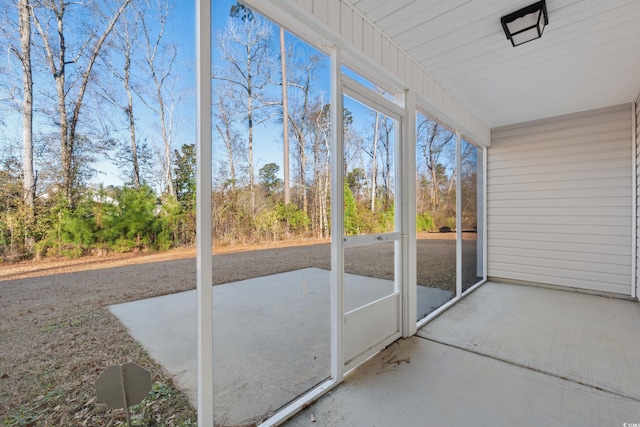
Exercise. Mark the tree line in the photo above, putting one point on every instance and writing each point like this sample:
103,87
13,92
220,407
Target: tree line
96,76
83,81
255,87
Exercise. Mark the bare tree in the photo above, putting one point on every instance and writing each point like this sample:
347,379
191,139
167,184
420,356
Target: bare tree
374,160
386,142
353,141
381,150
16,40
24,55
126,34
50,18
469,184
301,117
299,131
244,46
160,59
435,143
321,148
225,126
285,118
126,80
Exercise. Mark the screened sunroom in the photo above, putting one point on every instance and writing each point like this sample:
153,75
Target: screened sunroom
535,319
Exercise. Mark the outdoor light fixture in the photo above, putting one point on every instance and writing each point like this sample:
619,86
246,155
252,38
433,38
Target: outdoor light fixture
525,24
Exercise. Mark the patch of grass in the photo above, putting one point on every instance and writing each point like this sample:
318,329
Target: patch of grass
29,415
163,399
162,392
50,327
71,322
164,406
25,417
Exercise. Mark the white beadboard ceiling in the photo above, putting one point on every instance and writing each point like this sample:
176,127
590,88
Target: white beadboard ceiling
588,56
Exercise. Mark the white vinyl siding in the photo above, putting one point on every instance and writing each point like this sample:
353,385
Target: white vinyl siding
559,201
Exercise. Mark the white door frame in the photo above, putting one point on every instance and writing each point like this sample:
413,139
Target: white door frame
370,328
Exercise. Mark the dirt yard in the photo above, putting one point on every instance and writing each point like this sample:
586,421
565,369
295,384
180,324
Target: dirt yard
57,334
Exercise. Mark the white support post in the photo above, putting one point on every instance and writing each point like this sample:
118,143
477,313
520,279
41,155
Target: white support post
337,219
634,202
458,215
204,262
480,173
410,290
485,222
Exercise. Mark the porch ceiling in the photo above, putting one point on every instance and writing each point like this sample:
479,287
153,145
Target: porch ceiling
588,56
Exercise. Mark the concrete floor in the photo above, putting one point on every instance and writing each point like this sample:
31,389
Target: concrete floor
271,336
506,355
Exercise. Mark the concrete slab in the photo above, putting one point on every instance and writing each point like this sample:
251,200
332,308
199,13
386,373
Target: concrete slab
588,339
431,298
271,336
417,382
271,339
505,355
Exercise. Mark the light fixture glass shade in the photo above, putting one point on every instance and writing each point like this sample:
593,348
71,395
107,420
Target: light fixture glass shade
527,21
526,36
525,24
